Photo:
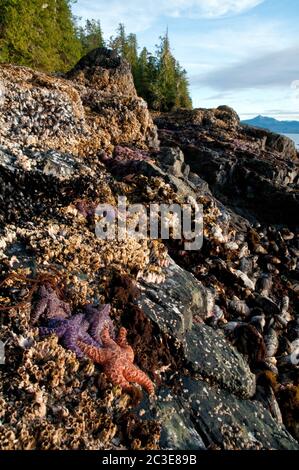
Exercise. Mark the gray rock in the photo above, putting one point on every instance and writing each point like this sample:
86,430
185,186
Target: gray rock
173,412
52,163
174,175
200,184
172,307
281,144
210,354
252,171
202,415
32,180
223,419
178,431
172,161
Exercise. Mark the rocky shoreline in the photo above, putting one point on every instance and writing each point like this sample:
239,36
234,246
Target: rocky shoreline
216,331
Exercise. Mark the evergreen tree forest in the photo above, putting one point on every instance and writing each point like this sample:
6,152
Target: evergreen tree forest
38,33
159,78
43,34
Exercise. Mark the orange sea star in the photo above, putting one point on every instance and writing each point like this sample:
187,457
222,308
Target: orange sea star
117,359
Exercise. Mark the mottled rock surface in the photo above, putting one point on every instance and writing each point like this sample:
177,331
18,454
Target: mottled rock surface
203,416
173,306
231,423
106,87
253,171
82,116
197,320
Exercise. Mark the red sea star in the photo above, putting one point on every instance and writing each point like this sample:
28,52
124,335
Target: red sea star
117,359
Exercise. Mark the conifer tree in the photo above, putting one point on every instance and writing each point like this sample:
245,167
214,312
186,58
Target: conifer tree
69,47
131,52
146,77
91,36
167,78
38,33
183,99
159,78
142,76
118,43
42,34
126,47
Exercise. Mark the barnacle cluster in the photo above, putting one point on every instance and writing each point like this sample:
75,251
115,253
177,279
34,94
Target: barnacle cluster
65,148
35,112
51,399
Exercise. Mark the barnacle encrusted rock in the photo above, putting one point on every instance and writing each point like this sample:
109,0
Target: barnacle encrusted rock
214,329
232,423
80,116
173,306
106,86
252,170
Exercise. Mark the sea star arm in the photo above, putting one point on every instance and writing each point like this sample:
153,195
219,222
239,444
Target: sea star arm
87,339
98,318
50,306
57,308
97,355
124,345
41,306
133,374
107,341
69,341
118,378
58,331
122,338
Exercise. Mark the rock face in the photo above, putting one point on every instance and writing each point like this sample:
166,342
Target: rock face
96,111
199,321
253,171
106,87
39,110
103,70
173,306
205,416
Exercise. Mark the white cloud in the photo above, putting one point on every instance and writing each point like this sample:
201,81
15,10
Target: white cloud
212,48
139,16
242,39
208,8
275,69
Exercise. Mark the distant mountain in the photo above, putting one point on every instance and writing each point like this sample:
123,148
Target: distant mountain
281,127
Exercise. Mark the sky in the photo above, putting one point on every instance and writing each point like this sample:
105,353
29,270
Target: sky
242,53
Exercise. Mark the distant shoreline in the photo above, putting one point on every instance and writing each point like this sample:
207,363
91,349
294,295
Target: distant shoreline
273,125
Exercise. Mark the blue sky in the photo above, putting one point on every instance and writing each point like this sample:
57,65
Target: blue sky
243,53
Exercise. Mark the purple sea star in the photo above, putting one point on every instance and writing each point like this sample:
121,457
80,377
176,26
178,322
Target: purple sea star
98,317
87,326
69,332
50,306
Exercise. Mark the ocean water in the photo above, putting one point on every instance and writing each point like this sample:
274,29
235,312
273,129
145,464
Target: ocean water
295,138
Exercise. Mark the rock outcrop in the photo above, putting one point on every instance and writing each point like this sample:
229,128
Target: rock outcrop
199,322
95,111
253,171
107,90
